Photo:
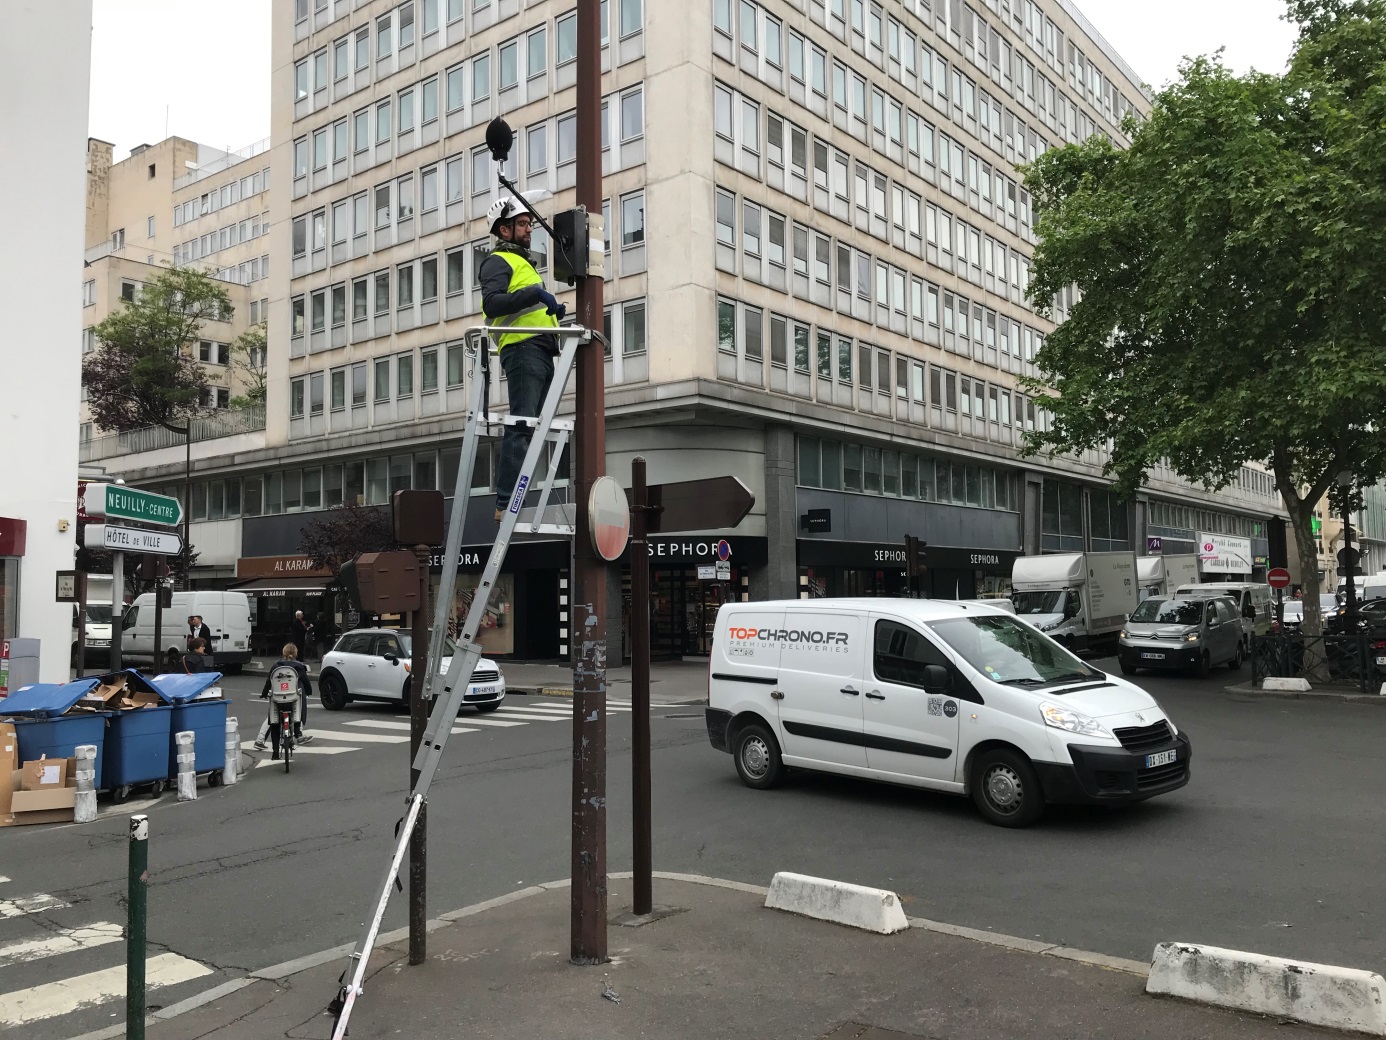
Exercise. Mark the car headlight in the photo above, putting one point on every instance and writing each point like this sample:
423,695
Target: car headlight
1125,634
1073,721
1192,637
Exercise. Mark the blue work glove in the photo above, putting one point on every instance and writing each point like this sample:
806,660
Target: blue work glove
551,303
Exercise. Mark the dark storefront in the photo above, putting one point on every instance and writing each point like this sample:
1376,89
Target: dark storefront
523,618
690,578
836,568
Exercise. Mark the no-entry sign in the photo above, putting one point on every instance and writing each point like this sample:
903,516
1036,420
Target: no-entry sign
1278,578
609,514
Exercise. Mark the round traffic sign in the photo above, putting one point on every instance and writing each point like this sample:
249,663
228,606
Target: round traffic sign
609,513
1278,578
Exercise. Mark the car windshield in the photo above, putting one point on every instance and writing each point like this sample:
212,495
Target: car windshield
1008,651
1051,601
98,613
1168,612
406,640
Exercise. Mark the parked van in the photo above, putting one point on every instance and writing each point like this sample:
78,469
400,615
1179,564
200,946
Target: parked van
1364,587
1080,599
1161,575
954,697
1255,604
227,614
97,622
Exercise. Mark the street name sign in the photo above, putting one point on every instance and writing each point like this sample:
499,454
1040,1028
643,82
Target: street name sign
132,539
118,502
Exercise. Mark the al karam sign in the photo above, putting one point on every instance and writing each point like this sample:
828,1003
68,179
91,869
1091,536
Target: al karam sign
1223,554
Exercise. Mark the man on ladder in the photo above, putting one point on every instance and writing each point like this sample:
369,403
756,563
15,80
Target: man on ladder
513,295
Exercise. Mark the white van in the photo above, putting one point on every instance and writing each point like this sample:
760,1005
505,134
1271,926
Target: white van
1255,604
960,698
1364,587
227,614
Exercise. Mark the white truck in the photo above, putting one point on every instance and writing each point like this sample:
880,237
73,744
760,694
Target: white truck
1079,599
1161,575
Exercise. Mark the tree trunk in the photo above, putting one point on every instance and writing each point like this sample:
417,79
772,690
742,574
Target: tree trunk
1315,664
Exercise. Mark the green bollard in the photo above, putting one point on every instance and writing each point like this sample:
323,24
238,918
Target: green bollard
137,903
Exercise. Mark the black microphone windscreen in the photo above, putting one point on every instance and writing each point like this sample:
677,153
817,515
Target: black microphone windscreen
499,138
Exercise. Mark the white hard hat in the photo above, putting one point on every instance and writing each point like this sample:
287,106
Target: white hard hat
510,207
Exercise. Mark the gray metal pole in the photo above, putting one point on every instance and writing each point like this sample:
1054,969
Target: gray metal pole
418,722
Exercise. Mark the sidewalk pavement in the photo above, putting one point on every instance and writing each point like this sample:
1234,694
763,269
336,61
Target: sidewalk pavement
726,967
671,682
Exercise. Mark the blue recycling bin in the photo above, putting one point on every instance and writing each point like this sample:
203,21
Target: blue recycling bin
205,718
137,740
42,728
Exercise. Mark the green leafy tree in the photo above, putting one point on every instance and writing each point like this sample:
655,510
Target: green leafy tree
248,353
1229,266
144,371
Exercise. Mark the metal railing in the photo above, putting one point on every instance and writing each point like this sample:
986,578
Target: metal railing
1334,660
223,162
152,438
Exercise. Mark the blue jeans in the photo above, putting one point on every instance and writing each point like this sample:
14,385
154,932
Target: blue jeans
528,373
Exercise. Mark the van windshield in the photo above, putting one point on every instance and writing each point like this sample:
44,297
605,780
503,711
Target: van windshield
1050,601
1010,652
98,613
1168,612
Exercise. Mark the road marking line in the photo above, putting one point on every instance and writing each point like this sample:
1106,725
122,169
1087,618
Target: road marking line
51,999
3,879
306,751
28,905
379,724
66,941
558,713
363,738
462,729
532,717
471,721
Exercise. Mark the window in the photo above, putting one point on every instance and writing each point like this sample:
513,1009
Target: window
404,286
298,316
748,25
301,80
382,379
296,389
358,385
567,139
481,77
149,227
428,279
428,190
382,292
509,64
315,393
319,309
536,149
722,111
338,305
901,654
363,48
384,45
565,31
844,360
429,94
456,271
721,16
300,236
405,198
428,371
382,122
89,293
404,375
632,115
630,17
633,329
406,25
726,217
382,205
359,303
456,363
536,53
338,389
360,220
772,42
633,220
406,111
726,326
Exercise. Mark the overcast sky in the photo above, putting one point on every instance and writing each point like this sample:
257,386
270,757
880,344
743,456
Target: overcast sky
200,69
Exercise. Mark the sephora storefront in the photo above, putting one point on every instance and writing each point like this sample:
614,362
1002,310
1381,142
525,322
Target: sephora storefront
836,568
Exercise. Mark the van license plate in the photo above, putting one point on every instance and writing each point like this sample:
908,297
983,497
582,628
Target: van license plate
1161,758
1381,662
1152,657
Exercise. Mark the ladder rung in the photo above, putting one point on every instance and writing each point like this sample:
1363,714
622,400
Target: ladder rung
559,425
562,530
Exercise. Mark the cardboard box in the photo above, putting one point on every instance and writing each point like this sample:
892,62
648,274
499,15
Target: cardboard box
51,803
9,762
43,774
103,695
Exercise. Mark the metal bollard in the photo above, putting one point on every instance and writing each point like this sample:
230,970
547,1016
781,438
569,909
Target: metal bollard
137,904
85,811
232,772
187,758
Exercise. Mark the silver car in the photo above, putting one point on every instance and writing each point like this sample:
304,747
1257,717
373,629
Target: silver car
1186,633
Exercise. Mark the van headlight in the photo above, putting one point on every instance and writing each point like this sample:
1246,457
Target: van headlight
1073,721
1192,637
1125,634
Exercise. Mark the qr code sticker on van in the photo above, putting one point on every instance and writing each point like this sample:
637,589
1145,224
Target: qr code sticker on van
935,705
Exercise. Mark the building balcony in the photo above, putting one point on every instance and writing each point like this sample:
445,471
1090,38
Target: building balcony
246,425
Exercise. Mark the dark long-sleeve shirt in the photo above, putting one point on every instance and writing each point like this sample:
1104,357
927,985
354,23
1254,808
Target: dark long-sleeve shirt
498,301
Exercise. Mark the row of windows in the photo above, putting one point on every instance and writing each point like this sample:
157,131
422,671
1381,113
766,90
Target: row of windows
1257,481
1189,520
227,195
843,466
222,238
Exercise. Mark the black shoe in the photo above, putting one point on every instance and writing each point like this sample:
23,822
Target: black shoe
274,757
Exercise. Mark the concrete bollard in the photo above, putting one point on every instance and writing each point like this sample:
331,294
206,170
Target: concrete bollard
232,773
187,760
85,811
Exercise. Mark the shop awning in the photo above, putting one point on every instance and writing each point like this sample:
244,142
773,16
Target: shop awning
281,586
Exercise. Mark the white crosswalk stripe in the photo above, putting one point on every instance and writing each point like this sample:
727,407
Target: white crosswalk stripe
28,905
362,738
27,1006
314,750
65,941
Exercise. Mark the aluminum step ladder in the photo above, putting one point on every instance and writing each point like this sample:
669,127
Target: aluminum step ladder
446,692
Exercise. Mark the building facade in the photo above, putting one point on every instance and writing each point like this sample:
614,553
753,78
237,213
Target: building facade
818,250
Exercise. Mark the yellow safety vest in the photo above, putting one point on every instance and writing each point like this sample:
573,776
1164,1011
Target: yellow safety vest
522,273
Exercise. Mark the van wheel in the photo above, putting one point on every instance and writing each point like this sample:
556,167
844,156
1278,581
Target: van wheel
1204,665
1006,789
757,756
1236,663
1128,669
332,693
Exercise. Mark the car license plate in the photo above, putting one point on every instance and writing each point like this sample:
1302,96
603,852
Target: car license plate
483,691
1152,657
1161,758
1381,662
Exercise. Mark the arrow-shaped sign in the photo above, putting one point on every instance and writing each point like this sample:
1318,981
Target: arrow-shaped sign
132,539
711,504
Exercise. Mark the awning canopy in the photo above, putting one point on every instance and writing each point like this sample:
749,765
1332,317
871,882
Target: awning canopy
281,586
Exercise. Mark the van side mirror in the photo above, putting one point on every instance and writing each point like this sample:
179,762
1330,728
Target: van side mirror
937,679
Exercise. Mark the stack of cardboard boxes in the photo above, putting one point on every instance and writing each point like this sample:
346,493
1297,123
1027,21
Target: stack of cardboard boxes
41,791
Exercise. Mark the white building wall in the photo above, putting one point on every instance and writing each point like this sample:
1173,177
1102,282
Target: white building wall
40,354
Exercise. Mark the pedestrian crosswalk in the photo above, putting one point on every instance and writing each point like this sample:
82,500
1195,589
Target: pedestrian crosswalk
69,967
356,734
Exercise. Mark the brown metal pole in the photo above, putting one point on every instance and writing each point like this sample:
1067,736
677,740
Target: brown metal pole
588,899
151,563
640,689
82,621
418,722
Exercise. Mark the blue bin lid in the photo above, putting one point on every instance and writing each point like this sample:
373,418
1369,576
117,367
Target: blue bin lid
181,688
45,700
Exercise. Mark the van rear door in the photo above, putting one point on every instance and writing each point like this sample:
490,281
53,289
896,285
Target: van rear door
822,657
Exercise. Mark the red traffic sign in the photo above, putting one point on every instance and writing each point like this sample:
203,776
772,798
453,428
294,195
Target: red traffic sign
608,511
1278,578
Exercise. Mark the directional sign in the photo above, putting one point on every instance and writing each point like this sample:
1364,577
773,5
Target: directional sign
131,539
116,501
712,504
1278,578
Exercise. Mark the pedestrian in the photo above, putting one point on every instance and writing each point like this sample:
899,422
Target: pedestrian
197,658
513,295
197,630
299,633
305,690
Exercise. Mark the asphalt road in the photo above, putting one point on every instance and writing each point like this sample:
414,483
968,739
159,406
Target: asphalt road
1274,846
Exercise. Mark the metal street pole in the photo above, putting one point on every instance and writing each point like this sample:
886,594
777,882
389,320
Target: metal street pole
150,565
187,512
418,722
82,621
117,606
136,908
588,627
641,844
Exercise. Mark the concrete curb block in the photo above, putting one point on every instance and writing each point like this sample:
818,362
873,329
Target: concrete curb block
1317,994
1245,689
1276,682
870,909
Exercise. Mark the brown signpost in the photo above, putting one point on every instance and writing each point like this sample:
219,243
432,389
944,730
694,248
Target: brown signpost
714,503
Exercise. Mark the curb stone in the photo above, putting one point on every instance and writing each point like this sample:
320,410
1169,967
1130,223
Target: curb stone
1246,689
